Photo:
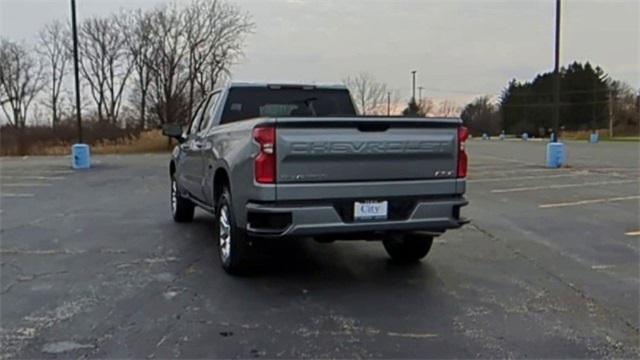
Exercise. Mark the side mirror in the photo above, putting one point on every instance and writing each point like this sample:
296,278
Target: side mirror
173,131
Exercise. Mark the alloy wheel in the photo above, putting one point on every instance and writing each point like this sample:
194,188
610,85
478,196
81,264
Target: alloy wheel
224,233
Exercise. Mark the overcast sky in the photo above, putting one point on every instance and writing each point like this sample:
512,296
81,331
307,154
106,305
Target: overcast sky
459,48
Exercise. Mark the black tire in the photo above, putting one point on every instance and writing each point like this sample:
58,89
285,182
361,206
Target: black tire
408,248
234,258
182,209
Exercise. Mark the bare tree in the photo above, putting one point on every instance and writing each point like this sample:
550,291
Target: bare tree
53,48
138,31
20,81
197,30
369,94
215,33
170,72
427,106
624,108
193,47
448,108
230,29
105,64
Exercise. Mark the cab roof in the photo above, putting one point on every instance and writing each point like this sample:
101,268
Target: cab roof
275,85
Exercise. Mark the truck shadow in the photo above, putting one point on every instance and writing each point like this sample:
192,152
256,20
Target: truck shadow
340,262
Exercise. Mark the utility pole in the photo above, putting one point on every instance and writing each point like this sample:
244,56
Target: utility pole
420,94
75,65
388,103
413,93
556,78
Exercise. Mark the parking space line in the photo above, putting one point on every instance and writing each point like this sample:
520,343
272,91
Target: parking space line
531,177
515,170
493,163
602,267
562,186
619,168
26,185
490,167
501,168
615,172
502,159
590,201
479,171
33,177
18,195
34,172
633,233
522,171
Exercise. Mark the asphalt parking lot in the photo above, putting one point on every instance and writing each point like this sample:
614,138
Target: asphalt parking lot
93,266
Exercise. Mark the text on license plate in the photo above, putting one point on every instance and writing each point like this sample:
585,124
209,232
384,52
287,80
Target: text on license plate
369,210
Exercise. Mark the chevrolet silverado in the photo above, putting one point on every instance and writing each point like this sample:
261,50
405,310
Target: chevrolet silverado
279,160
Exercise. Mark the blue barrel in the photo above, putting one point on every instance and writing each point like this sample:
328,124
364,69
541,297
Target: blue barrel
556,155
525,136
80,156
594,138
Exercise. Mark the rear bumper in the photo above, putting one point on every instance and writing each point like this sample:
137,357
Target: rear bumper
291,219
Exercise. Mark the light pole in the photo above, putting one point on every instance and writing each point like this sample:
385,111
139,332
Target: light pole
413,93
556,78
80,153
556,155
75,67
420,93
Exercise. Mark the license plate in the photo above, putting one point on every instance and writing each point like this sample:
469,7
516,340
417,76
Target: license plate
370,210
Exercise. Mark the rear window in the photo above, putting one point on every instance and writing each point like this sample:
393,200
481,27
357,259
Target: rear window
246,103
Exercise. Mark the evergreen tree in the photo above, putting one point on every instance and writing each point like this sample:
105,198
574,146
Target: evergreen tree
528,106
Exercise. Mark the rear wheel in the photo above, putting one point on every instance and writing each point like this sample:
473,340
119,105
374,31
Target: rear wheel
233,241
182,208
408,248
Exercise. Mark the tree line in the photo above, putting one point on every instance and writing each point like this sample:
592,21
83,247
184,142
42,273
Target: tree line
138,69
589,100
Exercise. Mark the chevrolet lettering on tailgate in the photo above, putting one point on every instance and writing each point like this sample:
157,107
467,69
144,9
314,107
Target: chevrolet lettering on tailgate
370,147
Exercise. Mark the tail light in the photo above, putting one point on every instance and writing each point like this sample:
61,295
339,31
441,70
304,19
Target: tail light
463,160
265,164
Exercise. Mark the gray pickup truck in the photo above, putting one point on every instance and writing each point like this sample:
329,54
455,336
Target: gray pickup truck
276,160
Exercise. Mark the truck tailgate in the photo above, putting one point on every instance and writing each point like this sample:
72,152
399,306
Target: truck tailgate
365,149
